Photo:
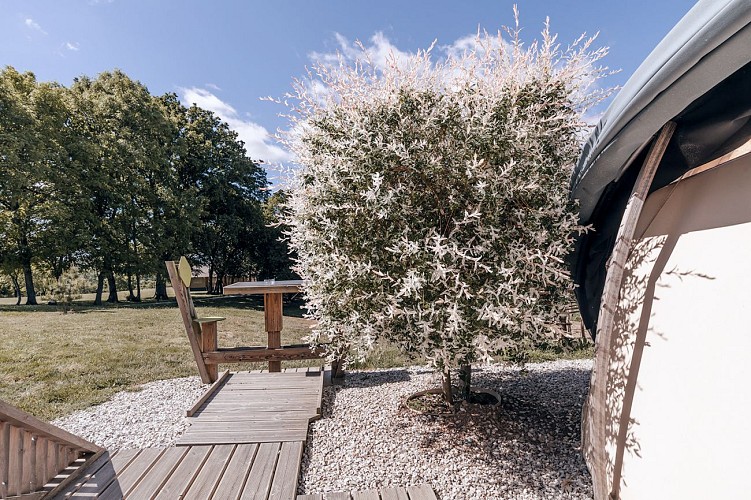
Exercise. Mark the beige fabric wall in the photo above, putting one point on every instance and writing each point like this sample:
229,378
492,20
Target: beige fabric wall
679,385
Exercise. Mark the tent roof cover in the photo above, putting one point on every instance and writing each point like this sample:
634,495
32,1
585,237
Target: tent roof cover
700,77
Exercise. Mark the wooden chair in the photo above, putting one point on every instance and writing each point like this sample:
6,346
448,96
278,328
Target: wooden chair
202,334
201,330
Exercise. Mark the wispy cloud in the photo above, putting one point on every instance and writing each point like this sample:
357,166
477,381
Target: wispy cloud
213,86
258,141
380,51
33,25
74,46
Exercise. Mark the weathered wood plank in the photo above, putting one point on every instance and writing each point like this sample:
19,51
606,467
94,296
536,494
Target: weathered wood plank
337,495
16,461
421,492
251,354
28,478
366,495
158,474
100,480
284,484
187,312
40,470
394,494
183,476
261,472
68,486
128,478
16,417
208,478
314,496
252,436
4,457
233,479
210,392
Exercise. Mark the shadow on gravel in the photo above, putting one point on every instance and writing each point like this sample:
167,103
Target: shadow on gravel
532,440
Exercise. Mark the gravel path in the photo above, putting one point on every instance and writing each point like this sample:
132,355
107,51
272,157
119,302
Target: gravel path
528,448
151,417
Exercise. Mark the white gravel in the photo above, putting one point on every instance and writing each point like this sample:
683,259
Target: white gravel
151,417
527,448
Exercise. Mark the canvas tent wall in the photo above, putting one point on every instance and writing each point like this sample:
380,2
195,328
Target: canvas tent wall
670,393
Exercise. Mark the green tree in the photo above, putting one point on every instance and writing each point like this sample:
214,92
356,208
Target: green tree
431,208
231,188
34,162
126,154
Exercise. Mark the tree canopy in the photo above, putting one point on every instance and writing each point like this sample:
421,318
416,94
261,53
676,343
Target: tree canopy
431,206
107,177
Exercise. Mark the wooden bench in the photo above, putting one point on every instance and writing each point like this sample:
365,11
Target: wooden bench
202,334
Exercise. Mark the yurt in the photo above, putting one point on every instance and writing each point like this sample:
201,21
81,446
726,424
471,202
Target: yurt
664,275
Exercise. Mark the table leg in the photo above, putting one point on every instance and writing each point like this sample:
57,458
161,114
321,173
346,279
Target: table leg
272,310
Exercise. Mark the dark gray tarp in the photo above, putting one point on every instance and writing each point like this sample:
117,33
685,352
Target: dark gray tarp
700,77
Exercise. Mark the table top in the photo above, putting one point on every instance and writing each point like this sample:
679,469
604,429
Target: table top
259,287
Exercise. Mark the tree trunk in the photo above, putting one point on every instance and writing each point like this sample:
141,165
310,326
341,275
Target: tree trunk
16,288
465,375
28,277
131,295
112,297
448,392
138,287
99,289
161,288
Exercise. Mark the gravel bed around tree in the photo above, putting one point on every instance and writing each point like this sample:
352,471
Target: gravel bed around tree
151,417
529,447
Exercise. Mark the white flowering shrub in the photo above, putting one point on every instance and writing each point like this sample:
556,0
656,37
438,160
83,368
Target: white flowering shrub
431,204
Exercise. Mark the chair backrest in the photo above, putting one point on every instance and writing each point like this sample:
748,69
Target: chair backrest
180,275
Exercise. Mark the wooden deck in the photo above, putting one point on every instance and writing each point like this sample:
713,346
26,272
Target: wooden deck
258,408
246,441
421,492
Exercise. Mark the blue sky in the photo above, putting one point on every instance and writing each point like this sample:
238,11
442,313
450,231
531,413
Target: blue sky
227,54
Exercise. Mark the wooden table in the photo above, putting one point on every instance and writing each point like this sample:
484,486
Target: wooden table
272,307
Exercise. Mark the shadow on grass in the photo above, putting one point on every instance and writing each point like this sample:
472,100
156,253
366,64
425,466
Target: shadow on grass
293,306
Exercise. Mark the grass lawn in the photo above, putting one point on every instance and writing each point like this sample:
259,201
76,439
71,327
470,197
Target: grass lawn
53,363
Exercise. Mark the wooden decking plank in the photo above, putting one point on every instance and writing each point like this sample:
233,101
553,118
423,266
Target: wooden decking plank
130,476
394,494
183,476
284,484
209,393
102,478
68,490
233,479
159,473
250,437
314,496
421,492
366,495
261,472
337,495
208,479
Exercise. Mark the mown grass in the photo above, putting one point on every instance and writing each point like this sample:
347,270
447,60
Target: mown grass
53,363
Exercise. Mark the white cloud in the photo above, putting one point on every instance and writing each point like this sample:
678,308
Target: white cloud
31,24
72,46
380,52
213,86
258,141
